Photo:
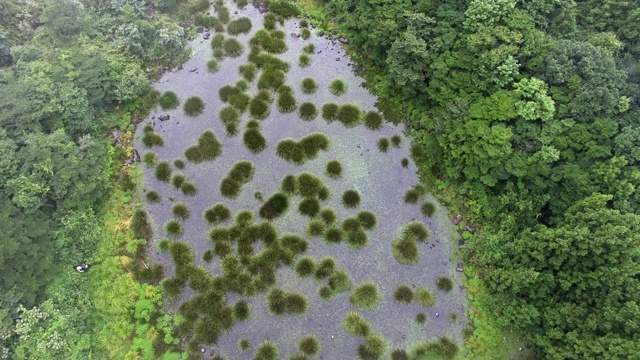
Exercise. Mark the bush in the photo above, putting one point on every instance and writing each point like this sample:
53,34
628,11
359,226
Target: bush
239,26
338,87
304,23
244,345
218,54
153,196
383,144
373,120
333,235
227,91
305,267
286,102
403,294
229,115
274,207
325,267
163,171
177,180
309,49
265,96
428,209
416,230
350,199
404,162
350,224
304,60
305,33
421,318
240,101
271,79
217,213
152,138
267,350
396,141
217,41
405,250
355,324
173,228
241,310
349,115
230,188
339,281
150,159
248,71
188,188
425,297
315,228
309,184
179,164
213,66
259,109
365,296
284,9
242,171
289,185
444,283
233,48
328,215
309,345
181,210
169,100
309,86
269,21
367,219
254,141
357,239
209,145
330,112
194,106
307,111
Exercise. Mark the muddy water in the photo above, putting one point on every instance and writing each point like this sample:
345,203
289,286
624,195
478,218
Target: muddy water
379,177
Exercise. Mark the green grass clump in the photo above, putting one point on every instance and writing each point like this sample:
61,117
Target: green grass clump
338,87
309,345
309,184
306,149
150,159
244,345
218,54
269,21
254,141
325,267
229,115
274,207
444,283
213,66
324,193
305,267
355,324
241,310
227,91
265,96
280,302
405,250
425,297
396,140
259,109
152,138
163,171
373,120
443,348
350,224
307,111
240,174
339,281
330,112
428,209
153,196
286,102
289,185
309,49
271,79
188,188
349,115
309,86
304,60
209,145
267,350
403,294
304,23
313,143
404,162
367,219
333,235
194,106
181,210
173,228
315,228
208,256
357,239
351,199
383,144
421,318
179,164
329,216
414,194
365,296
325,292
306,33
232,47
240,101
239,26
416,230
217,40
169,100
217,213
374,347
248,71
334,169
230,188
243,85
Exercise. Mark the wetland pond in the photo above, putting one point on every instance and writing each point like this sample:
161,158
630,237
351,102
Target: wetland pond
233,261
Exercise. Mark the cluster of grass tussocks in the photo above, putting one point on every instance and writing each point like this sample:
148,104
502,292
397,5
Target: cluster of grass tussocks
355,324
276,206
151,138
169,100
217,213
300,151
271,41
239,26
286,100
194,106
307,111
240,174
207,149
414,194
280,302
365,296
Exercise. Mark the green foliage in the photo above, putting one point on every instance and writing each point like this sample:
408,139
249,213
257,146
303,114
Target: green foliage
305,267
339,281
305,149
239,26
153,196
330,112
259,109
275,207
421,318
173,228
373,120
309,207
425,297
383,144
315,228
267,350
254,141
349,115
217,213
180,210
244,345
428,209
240,173
334,169
163,171
351,199
241,310
150,159
309,345
357,239
305,33
329,216
304,60
365,296
307,111
289,185
188,188
152,138
248,71
283,8
403,294
213,66
396,141
309,49
333,235
308,86
416,230
404,162
169,100
367,219
325,267
194,106
281,302
286,101
405,250
355,324
177,180
338,87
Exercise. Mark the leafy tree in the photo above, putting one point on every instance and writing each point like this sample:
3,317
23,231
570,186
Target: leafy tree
408,63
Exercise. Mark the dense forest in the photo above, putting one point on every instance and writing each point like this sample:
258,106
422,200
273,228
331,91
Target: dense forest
526,116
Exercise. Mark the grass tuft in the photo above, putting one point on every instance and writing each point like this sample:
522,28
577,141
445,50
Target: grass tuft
259,109
349,115
373,120
325,267
428,209
289,185
355,324
315,228
383,144
333,235
213,66
306,33
350,199
329,216
396,141
173,228
267,350
248,71
188,188
181,210
307,111
179,164
404,162
357,239
153,196
305,267
425,297
339,281
304,60
217,40
416,230
194,106
254,141
367,219
365,296
330,112
169,100
309,86
405,250
338,87
286,102
150,159
444,283
233,48
421,318
217,213
241,310
163,171
309,345
403,294
239,26
276,206
244,345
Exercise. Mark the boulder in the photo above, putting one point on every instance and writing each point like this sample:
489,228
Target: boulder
164,117
343,39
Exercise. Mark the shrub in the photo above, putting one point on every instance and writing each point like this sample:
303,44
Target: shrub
308,184
383,144
233,47
428,209
416,230
309,345
307,111
403,294
349,115
208,256
194,106
421,318
338,87
328,215
274,207
269,21
367,219
259,109
230,188
242,171
179,164
330,112
265,96
244,345
355,324
213,66
188,188
425,297
284,9
286,102
169,100
405,250
444,283
242,85
357,239
304,60
333,235
289,185
373,120
180,210
163,171
150,159
309,49
231,129
217,213
325,267
350,224
218,54
239,26
248,71
313,143
305,267
309,86
229,115
227,91
294,243
241,310
305,33
374,346
339,281
217,235
334,169
289,150
350,199
193,154
396,140
217,40
173,228
267,350
209,146
271,79
365,296
404,162
153,196
152,138
254,141
240,101
304,23
325,292
315,228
